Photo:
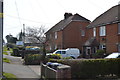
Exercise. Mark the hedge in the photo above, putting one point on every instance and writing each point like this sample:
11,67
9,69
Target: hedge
92,68
32,59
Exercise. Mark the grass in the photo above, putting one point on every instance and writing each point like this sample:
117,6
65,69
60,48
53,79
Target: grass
6,60
5,53
5,49
9,76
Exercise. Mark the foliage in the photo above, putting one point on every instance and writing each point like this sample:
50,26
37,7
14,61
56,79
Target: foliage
67,58
6,60
5,53
9,76
11,39
11,45
15,52
92,68
32,59
35,34
5,48
54,56
100,51
20,36
99,54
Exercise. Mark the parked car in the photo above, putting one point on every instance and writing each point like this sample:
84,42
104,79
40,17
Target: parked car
113,55
69,52
32,48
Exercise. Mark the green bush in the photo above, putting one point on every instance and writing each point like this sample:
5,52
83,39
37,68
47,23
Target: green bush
92,68
33,59
99,54
54,56
67,58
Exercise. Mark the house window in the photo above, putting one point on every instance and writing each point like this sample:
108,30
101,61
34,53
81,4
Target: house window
50,47
102,31
103,47
118,28
94,32
119,48
56,35
82,33
56,46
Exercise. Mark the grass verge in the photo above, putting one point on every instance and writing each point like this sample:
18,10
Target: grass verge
5,53
6,60
9,76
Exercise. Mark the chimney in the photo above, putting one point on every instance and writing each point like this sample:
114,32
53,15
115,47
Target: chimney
67,15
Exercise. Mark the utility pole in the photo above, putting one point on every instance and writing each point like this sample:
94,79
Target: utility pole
1,38
119,11
24,33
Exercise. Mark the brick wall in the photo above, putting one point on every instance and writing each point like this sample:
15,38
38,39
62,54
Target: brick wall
72,34
111,39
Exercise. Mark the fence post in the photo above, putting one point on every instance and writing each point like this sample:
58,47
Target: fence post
63,72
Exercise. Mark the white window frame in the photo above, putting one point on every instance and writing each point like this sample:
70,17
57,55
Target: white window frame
50,47
56,46
94,32
102,46
56,35
103,31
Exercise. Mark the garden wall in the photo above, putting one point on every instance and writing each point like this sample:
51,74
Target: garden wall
93,68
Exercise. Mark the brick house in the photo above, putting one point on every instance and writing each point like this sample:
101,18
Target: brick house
68,33
104,32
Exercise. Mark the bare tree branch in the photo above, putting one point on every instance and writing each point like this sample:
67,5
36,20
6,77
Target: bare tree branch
35,35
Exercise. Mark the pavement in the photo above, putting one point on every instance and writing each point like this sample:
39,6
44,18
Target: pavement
17,68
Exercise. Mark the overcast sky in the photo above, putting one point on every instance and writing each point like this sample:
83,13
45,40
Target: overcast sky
48,12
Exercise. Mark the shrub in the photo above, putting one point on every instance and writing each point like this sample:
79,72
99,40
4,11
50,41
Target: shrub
33,59
92,68
54,56
99,54
11,45
15,52
67,58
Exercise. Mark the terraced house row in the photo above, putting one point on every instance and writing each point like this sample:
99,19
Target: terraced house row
75,31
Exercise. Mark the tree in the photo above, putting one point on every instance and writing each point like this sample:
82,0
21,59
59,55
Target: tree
11,39
35,34
20,36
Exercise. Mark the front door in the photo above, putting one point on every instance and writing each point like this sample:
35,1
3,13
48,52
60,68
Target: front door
88,52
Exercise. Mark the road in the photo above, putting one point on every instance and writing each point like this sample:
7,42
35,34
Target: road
21,71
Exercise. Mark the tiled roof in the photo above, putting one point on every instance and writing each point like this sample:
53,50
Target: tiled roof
91,42
107,17
63,23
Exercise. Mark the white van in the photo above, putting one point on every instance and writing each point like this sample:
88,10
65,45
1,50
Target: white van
69,52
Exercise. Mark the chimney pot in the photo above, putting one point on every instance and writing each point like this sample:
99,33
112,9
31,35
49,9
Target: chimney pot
67,15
